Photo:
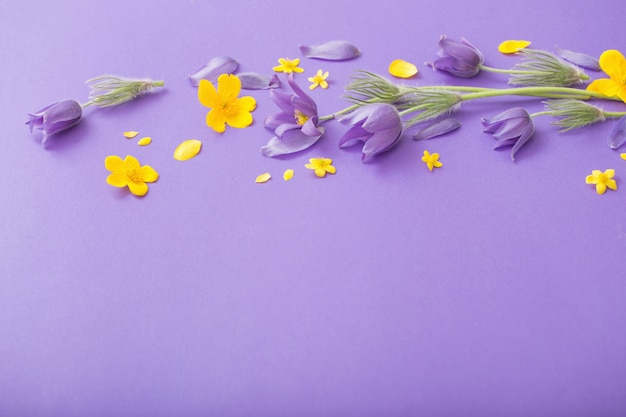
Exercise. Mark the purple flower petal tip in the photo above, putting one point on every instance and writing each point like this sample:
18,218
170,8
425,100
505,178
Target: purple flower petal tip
582,60
617,137
213,69
437,129
254,81
331,51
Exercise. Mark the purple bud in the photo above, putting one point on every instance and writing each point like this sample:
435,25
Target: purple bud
331,51
617,137
55,117
513,127
254,81
579,59
437,129
216,67
458,58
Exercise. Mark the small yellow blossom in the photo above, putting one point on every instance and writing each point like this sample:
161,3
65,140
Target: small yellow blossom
602,180
128,172
613,64
431,160
265,177
402,69
321,166
512,46
226,107
130,134
288,65
319,79
288,174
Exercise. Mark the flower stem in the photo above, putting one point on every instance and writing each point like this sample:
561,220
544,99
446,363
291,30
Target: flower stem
508,71
545,92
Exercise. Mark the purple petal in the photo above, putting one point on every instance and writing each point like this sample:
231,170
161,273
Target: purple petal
274,120
437,129
353,136
332,51
254,81
302,101
216,67
293,141
283,101
380,142
462,51
516,112
377,116
522,140
310,127
454,67
579,59
617,137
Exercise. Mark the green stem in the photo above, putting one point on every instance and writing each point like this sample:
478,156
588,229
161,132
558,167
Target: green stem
614,114
545,92
508,71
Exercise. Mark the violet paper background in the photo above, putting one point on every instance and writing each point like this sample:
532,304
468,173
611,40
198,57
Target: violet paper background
485,288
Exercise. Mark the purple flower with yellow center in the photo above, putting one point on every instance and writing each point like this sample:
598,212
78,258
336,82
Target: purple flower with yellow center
458,58
55,118
377,125
296,127
513,127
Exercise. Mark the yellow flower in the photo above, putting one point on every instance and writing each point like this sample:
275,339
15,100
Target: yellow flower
129,172
602,180
613,64
288,65
512,46
431,160
321,166
226,107
319,79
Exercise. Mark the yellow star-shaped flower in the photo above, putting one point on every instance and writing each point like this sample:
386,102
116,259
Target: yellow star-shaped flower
431,160
288,65
602,180
128,172
226,107
321,166
319,79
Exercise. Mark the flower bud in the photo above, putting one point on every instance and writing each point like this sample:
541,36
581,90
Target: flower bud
55,117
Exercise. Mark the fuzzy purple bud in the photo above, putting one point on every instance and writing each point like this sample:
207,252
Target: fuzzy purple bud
513,127
378,126
55,117
461,59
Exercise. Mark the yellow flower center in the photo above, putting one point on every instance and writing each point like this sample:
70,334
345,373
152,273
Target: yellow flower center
603,178
134,174
300,117
230,108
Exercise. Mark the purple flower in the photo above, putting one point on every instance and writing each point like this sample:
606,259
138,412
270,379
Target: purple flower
332,51
55,118
513,127
378,125
296,126
458,58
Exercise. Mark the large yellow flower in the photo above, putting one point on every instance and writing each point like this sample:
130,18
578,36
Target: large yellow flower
613,64
226,107
128,172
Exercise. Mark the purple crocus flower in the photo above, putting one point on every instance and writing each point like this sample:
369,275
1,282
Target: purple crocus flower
458,58
513,127
55,117
378,125
296,126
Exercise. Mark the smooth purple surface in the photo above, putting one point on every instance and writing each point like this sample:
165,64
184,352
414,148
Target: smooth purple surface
486,287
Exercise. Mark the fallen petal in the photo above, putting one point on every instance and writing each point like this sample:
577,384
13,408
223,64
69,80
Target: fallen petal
265,177
187,149
332,51
291,142
130,134
617,137
288,174
254,81
145,141
437,129
402,69
512,46
216,67
579,59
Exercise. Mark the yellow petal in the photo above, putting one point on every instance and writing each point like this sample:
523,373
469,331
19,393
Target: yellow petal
246,103
512,46
117,179
148,174
600,188
623,156
288,174
240,120
590,179
605,86
265,177
131,163
130,134
138,188
187,149
114,163
145,141
612,184
228,86
207,94
613,63
216,120
331,169
402,69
